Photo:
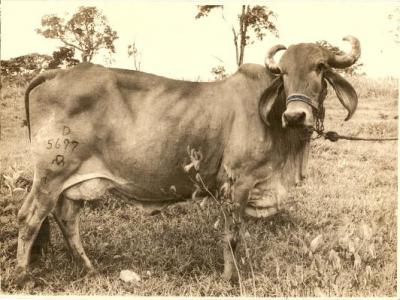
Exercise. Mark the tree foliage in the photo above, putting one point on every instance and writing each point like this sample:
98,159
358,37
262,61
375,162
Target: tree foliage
219,72
204,10
251,19
27,65
87,31
64,57
352,70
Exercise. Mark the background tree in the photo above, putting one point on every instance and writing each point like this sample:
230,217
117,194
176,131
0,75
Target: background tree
64,57
352,70
24,68
136,55
27,65
251,19
87,31
219,72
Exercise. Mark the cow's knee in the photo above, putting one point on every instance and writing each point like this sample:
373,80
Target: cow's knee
21,217
31,219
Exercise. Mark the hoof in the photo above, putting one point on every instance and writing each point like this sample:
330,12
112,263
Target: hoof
23,279
89,273
231,277
92,272
227,276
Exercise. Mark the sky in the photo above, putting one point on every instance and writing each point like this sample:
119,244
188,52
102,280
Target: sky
174,44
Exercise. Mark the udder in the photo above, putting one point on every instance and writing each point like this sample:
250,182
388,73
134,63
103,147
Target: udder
92,189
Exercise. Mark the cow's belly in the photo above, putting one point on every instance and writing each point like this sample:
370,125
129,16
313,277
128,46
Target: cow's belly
149,159
93,178
147,167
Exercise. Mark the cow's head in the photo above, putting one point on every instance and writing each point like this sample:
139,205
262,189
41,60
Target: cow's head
302,72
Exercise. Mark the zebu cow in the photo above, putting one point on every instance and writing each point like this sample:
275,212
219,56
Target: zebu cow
93,129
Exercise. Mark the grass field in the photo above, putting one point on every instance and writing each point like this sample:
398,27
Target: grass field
339,239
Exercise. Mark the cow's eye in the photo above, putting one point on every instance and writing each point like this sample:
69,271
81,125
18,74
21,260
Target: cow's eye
321,66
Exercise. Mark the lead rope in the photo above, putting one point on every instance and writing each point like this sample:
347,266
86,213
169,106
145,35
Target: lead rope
333,136
319,124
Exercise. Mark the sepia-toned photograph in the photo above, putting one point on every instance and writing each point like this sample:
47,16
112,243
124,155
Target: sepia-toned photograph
184,149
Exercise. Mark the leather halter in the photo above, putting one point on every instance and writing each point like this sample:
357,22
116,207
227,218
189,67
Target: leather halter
301,98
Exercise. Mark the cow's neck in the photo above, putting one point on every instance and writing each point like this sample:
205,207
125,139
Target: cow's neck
284,148
289,147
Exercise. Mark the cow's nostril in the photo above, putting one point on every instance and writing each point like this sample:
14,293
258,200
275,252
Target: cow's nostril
295,118
301,117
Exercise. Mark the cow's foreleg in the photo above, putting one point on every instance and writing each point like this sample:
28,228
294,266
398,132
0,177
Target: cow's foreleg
233,219
67,217
231,239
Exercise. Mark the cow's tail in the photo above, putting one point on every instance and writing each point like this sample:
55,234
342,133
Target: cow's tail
47,75
43,238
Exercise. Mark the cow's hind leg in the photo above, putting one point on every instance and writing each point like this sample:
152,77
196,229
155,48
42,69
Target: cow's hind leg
43,238
67,217
39,203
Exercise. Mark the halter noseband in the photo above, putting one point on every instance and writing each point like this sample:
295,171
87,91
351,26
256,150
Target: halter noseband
302,98
318,108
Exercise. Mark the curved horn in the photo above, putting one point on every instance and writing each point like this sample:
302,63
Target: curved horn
346,60
269,59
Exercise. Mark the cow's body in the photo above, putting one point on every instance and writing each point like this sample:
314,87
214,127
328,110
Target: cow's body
93,129
133,129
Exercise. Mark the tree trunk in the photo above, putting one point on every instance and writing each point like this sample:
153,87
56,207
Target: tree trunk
235,42
243,32
85,57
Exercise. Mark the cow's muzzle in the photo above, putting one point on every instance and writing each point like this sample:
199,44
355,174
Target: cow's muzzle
299,111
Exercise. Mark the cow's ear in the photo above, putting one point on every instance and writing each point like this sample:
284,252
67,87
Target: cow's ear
344,91
268,99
